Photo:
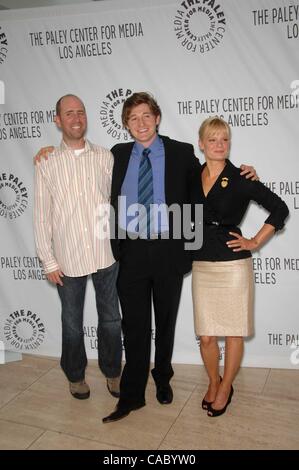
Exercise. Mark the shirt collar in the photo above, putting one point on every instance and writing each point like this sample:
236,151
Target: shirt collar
154,147
64,146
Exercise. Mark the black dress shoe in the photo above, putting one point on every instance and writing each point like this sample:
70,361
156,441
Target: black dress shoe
121,413
206,404
164,394
212,413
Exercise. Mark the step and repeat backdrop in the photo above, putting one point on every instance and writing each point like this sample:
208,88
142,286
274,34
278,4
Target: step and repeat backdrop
234,58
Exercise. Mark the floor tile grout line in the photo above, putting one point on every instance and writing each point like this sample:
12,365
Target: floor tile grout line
84,439
44,430
22,424
37,438
175,420
27,388
268,375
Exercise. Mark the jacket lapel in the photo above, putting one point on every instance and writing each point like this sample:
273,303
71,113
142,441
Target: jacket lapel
121,162
169,169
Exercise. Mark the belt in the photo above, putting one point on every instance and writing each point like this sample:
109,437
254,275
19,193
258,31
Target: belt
213,222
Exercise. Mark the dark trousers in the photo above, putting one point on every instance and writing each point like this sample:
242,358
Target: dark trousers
146,276
72,295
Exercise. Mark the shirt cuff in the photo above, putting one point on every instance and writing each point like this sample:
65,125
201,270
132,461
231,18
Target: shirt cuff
50,266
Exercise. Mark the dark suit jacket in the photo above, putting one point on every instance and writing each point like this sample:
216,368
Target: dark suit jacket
180,165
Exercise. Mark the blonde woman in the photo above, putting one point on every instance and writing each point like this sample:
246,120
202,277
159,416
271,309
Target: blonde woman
222,273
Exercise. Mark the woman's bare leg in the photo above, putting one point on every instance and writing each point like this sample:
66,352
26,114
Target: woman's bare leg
234,347
210,354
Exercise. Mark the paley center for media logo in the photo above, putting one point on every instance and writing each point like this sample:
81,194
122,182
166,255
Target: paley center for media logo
110,113
13,196
24,330
199,25
3,46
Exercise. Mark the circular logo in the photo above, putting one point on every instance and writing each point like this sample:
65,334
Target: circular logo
199,25
24,330
3,46
110,113
13,196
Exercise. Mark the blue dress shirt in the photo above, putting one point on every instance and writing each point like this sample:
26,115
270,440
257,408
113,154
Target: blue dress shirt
129,188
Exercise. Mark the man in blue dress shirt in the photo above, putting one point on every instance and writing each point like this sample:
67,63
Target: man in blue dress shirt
152,267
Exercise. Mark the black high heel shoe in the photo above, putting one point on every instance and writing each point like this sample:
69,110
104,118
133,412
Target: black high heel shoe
212,412
206,404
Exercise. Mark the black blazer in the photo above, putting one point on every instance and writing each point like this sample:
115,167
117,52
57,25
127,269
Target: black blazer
224,208
180,166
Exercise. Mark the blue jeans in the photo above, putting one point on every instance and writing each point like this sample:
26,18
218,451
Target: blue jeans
72,295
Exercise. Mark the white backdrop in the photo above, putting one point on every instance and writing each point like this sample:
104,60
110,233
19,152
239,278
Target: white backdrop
235,58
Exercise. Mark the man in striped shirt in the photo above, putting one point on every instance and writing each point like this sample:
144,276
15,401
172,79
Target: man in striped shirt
70,189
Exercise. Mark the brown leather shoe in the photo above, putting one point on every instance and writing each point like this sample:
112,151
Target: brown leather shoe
113,386
80,390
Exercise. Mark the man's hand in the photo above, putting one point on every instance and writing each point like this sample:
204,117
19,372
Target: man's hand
43,153
242,243
249,172
55,277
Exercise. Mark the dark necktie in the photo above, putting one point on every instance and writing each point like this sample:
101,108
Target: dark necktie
145,194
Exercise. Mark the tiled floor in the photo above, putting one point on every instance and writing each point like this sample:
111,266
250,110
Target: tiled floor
38,412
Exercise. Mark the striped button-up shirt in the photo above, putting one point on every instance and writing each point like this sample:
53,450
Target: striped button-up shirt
70,190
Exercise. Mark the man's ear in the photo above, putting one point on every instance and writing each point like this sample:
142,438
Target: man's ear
57,121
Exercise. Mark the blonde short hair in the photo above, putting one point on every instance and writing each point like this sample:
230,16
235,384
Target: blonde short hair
212,125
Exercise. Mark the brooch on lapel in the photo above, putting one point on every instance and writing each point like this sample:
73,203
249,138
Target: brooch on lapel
224,182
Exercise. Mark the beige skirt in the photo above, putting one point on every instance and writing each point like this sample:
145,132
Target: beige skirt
222,294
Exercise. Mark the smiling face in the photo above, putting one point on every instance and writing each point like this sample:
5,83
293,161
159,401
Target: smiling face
214,139
142,124
215,145
72,120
